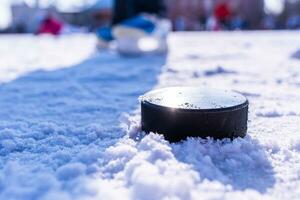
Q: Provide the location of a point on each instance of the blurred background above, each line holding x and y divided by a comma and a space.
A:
26, 16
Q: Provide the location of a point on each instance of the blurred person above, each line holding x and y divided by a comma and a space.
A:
202, 22
269, 22
238, 22
212, 24
50, 25
180, 24
135, 19
222, 14
293, 22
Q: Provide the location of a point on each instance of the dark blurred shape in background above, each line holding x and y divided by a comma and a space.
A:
126, 9
50, 25
185, 15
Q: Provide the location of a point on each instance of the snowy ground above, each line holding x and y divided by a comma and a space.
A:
66, 114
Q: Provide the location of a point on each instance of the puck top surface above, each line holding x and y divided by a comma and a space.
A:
194, 98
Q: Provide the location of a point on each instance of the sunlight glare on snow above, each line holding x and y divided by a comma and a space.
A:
41, 53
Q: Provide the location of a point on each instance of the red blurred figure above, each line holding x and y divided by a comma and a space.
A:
50, 25
222, 13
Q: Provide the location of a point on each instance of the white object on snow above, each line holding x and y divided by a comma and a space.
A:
134, 41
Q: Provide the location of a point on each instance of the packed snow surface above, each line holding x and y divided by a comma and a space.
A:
70, 122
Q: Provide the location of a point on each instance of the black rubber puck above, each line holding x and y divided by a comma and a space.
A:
181, 112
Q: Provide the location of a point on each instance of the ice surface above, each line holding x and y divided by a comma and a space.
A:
69, 119
194, 98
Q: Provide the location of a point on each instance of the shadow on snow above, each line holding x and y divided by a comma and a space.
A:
49, 111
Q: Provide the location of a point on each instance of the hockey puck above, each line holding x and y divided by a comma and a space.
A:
181, 112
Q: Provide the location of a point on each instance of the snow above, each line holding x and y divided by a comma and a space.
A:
69, 119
